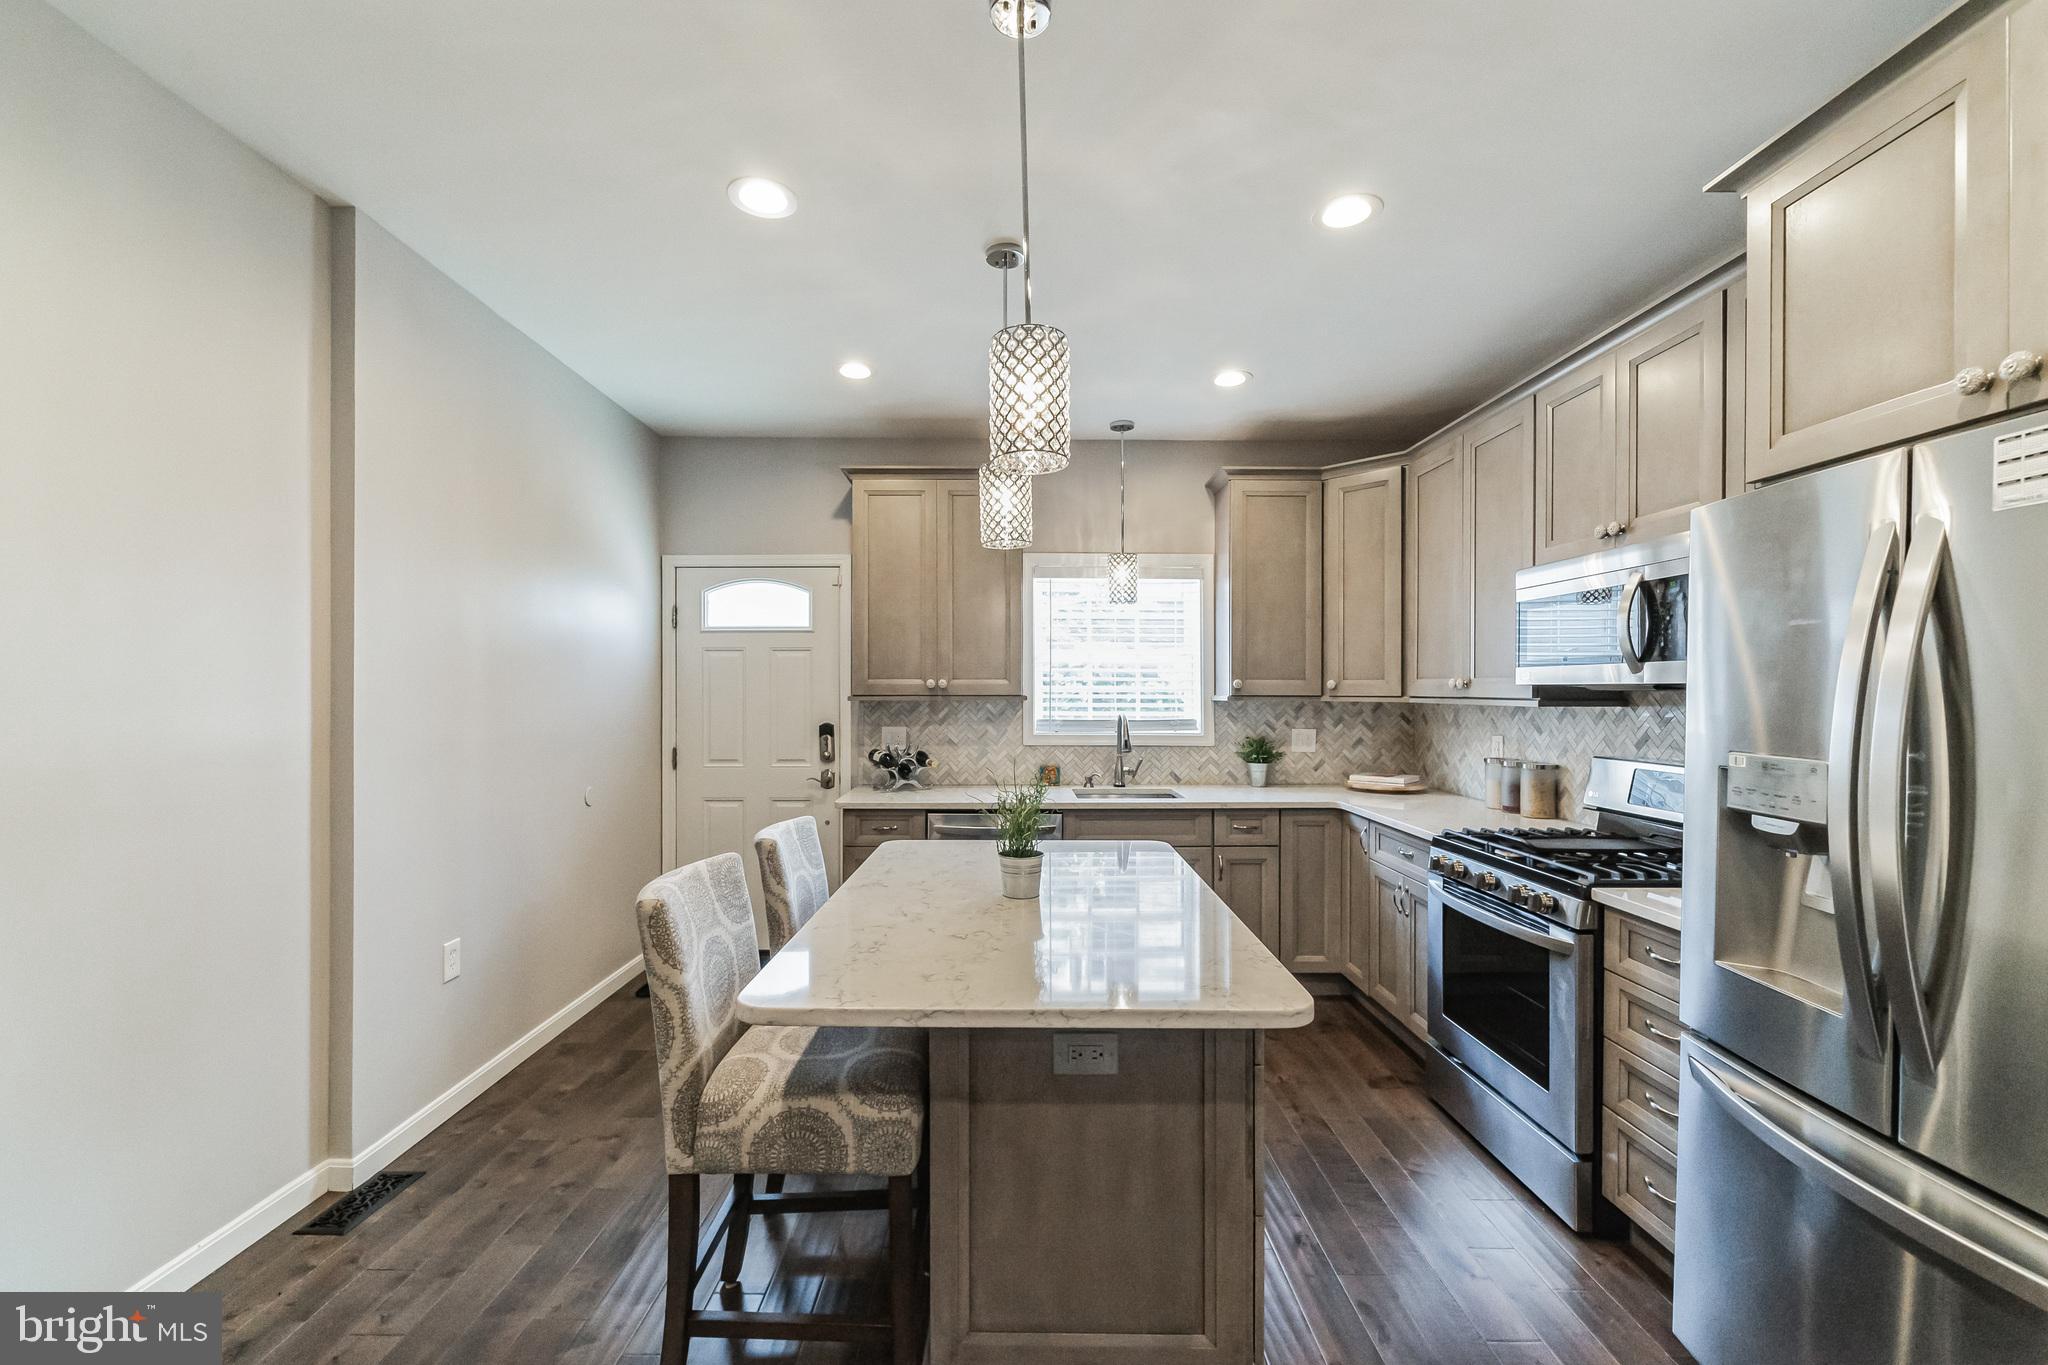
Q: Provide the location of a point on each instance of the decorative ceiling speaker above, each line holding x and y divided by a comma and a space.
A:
1123, 565
1029, 379
1005, 509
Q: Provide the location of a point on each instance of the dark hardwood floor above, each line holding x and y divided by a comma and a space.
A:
537, 1234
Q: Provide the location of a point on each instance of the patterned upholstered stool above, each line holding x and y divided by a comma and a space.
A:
793, 878
743, 1101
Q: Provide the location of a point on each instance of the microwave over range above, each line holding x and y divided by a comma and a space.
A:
1615, 619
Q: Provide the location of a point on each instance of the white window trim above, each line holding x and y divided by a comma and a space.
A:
1097, 566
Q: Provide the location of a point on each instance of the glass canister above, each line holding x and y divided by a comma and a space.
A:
1511, 785
1497, 769
1540, 783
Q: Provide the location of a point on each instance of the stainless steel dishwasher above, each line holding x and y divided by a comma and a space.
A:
982, 825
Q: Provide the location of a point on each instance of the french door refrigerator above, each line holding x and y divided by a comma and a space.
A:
1863, 1110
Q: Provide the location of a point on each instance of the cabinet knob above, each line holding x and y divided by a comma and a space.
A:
1329, 684
2019, 365
942, 682
1237, 682
931, 682
1600, 530
1973, 379
1615, 528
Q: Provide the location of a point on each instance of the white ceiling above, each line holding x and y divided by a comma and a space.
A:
567, 162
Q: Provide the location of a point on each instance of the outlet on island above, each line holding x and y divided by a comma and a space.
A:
1084, 1054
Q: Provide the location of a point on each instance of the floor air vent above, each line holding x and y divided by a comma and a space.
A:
345, 1213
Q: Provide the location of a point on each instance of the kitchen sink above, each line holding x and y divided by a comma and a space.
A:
1127, 793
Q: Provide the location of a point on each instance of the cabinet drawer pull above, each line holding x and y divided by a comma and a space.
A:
1651, 1186
1407, 853
1242, 828
1652, 955
1659, 1034
887, 829
1651, 1102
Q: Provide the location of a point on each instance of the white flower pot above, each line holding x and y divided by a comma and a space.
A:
1020, 875
1258, 772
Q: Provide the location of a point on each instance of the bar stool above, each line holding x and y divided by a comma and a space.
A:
794, 882
770, 1100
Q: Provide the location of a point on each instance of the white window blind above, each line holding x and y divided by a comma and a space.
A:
1093, 660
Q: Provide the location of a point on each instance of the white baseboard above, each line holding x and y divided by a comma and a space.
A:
348, 1172
217, 1248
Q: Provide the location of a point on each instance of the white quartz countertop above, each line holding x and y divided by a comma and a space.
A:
1663, 907
1424, 814
1124, 935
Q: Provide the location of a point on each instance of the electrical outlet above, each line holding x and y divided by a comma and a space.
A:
1302, 742
451, 960
1084, 1054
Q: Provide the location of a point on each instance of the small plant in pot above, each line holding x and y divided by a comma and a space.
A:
1018, 811
1257, 751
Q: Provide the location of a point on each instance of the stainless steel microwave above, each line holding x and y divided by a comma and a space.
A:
1615, 619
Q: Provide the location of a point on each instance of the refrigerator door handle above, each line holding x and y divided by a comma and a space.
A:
1930, 1211
1625, 626
1846, 842
1919, 581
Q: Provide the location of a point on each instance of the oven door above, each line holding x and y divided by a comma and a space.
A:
1512, 998
1613, 620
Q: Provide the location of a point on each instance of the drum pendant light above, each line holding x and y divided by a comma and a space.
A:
1123, 565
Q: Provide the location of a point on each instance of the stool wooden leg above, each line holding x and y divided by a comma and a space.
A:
736, 1233
682, 1268
905, 1322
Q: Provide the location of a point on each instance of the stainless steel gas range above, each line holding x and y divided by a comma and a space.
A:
1514, 973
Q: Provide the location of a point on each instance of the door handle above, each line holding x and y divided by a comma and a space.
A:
1624, 624
826, 780
1919, 582
1847, 843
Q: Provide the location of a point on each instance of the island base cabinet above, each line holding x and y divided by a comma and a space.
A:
1095, 1217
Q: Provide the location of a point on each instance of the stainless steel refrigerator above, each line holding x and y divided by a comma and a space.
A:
1863, 1109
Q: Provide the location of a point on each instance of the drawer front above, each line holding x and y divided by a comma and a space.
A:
879, 827
1641, 1093
852, 857
1638, 1176
1247, 827
1642, 952
1644, 1022
1397, 850
1181, 828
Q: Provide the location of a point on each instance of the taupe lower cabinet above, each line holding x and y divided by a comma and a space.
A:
1311, 890
934, 614
1386, 930
1630, 442
1248, 881
1269, 584
1899, 282
1469, 531
1362, 515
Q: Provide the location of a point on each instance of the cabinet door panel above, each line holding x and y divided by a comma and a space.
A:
1878, 256
1439, 588
1312, 890
1276, 588
1393, 965
1362, 584
1578, 462
980, 602
1359, 923
1503, 530
1248, 880
1416, 896
1670, 399
895, 567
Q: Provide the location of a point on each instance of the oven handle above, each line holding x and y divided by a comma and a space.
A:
1558, 941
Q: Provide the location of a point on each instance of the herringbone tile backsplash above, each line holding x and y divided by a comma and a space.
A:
977, 742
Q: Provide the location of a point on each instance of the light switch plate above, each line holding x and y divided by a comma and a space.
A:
1084, 1054
1303, 742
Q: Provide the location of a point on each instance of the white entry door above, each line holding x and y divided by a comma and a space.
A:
758, 668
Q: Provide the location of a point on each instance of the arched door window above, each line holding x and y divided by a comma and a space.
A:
756, 604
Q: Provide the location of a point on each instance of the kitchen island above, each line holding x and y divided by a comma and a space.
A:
1094, 1090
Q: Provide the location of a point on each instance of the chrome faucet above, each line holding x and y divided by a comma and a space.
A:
1123, 746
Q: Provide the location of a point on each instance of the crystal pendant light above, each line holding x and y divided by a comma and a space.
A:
1123, 565
1029, 431
1005, 509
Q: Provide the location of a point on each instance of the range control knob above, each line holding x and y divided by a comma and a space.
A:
1437, 862
1488, 882
1521, 895
1547, 903
1459, 870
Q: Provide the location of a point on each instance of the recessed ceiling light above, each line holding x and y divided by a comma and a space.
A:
1349, 210
854, 369
760, 197
1232, 379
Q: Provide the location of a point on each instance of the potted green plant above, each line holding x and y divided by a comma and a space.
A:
1257, 751
1018, 811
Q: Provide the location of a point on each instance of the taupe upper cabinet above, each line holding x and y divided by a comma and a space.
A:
1269, 585
1578, 464
1362, 584
934, 614
1671, 401
1439, 575
1499, 450
1895, 250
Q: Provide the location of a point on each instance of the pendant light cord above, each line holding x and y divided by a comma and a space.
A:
1120, 547
1024, 153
